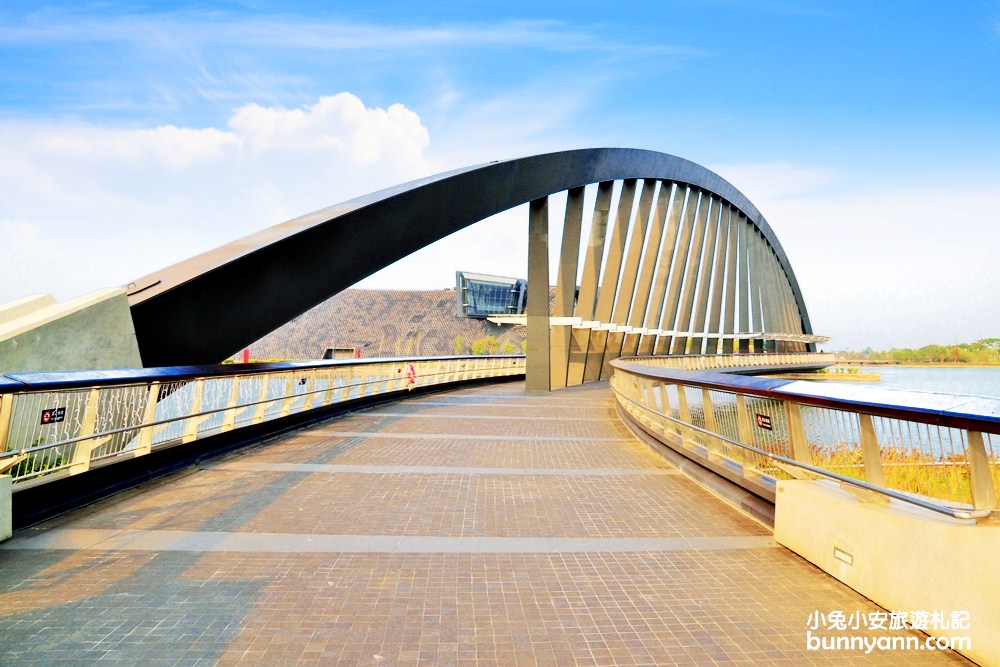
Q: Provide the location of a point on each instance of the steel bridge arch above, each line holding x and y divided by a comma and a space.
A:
208, 307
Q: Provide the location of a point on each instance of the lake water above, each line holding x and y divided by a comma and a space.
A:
973, 381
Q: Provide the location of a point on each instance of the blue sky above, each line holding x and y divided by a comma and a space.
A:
133, 135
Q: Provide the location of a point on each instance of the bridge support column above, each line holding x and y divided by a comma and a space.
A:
566, 287
537, 373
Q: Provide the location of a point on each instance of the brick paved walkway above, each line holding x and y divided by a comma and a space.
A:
484, 526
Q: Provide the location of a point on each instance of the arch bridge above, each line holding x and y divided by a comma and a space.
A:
523, 512
677, 261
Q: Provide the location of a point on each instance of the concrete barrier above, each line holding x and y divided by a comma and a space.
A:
6, 506
901, 557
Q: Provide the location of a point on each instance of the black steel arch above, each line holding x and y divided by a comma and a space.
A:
208, 307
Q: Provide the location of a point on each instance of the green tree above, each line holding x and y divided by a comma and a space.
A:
509, 348
459, 345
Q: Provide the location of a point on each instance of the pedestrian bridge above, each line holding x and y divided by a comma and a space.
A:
665, 506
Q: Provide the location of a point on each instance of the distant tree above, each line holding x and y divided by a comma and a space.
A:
479, 346
509, 348
990, 343
459, 345
524, 347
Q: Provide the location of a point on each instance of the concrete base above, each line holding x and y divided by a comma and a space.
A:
90, 332
6, 507
899, 556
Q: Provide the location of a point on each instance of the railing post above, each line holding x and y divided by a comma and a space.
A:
743, 428
6, 408
307, 399
229, 418
645, 392
261, 408
706, 399
797, 433
289, 397
88, 424
683, 413
744, 431
874, 474
145, 441
191, 425
664, 399
984, 496
711, 444
331, 386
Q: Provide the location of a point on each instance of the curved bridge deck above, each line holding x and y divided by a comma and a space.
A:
486, 526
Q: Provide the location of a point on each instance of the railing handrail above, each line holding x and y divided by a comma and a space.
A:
957, 513
146, 405
68, 380
977, 413
170, 420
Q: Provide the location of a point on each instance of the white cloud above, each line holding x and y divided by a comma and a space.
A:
340, 123
104, 205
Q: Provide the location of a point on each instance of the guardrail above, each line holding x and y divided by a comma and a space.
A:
940, 452
54, 425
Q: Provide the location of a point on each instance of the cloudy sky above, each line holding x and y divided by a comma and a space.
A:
134, 135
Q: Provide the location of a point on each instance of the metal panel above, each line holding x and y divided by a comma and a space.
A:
610, 277
729, 325
708, 270
630, 273
566, 286
688, 294
644, 285
744, 283
587, 300
657, 297
718, 282
680, 258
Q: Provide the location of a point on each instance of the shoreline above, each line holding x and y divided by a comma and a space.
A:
916, 364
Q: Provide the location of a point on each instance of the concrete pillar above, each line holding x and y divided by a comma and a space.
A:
538, 371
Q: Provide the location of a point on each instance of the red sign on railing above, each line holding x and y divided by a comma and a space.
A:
53, 415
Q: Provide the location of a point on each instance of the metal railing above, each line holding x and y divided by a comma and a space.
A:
940, 452
57, 424
744, 362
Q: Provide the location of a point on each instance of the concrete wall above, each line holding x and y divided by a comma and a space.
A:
902, 557
90, 332
6, 507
